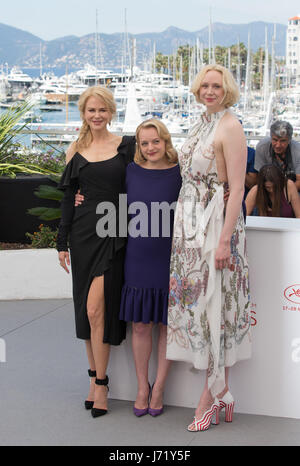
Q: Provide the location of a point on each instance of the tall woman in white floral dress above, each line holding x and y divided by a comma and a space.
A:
209, 316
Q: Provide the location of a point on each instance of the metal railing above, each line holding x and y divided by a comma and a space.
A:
75, 132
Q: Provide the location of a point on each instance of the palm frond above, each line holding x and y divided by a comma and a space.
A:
49, 192
10, 126
11, 169
45, 213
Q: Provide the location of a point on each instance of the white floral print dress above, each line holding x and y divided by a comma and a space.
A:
209, 310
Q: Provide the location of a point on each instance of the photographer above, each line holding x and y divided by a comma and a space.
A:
280, 150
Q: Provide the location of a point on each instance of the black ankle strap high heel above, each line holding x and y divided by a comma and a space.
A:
89, 404
100, 412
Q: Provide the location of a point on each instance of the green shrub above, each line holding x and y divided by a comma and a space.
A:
44, 238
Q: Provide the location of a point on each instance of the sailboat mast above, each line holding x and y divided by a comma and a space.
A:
67, 94
238, 68
96, 49
266, 73
247, 81
41, 61
212, 57
126, 43
209, 39
273, 65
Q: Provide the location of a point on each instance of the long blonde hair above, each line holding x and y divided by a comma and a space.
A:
85, 136
163, 134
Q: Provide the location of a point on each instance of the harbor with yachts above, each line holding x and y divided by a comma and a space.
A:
43, 75
159, 91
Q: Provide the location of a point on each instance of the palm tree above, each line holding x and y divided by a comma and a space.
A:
10, 128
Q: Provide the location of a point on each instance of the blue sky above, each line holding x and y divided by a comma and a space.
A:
57, 18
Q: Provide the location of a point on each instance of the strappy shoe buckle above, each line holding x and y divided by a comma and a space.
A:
96, 412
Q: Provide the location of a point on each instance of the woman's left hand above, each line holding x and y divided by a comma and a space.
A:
79, 198
222, 257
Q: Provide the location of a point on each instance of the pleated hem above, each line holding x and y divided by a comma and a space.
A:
144, 305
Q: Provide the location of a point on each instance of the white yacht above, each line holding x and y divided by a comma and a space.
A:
90, 75
17, 78
3, 87
72, 86
46, 78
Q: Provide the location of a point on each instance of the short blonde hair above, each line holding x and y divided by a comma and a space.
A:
85, 136
232, 93
163, 134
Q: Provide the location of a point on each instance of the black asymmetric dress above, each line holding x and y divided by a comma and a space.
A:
93, 255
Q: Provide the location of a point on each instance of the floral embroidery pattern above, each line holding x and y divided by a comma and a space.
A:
192, 272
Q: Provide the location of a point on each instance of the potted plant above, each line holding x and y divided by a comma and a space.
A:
21, 173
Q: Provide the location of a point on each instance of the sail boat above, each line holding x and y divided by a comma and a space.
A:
238, 66
273, 75
269, 85
266, 84
247, 88
211, 47
132, 116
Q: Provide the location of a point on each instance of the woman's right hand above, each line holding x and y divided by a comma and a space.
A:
222, 256
64, 260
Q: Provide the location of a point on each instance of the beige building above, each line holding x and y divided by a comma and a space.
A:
293, 51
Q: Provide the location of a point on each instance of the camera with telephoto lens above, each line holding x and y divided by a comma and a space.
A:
291, 175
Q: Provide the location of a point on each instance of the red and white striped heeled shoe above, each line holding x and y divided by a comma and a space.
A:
227, 402
211, 416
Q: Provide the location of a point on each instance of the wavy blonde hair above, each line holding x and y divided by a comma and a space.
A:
163, 134
232, 93
85, 136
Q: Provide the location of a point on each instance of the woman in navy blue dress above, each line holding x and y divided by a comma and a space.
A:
154, 180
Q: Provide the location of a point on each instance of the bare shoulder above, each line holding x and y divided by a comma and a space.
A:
230, 134
230, 129
118, 140
71, 151
230, 122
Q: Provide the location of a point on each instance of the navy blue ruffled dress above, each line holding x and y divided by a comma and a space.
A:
91, 255
147, 260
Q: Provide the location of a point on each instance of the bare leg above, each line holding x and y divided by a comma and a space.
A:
207, 399
220, 395
204, 405
100, 350
142, 347
162, 369
92, 365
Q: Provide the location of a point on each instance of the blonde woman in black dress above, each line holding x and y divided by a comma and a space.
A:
96, 164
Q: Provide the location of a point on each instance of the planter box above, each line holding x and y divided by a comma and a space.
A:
16, 197
33, 274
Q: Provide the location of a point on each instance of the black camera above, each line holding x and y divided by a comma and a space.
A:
291, 175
